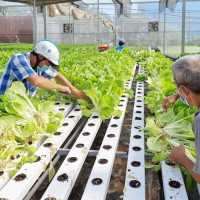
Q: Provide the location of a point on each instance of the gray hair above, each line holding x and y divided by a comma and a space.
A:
186, 71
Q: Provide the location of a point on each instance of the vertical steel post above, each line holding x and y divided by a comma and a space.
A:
115, 34
158, 38
45, 22
183, 27
35, 38
164, 28
73, 31
70, 35
98, 24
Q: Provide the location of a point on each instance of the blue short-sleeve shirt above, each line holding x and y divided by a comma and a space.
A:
18, 68
120, 48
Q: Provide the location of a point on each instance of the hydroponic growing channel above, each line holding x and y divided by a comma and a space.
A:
111, 157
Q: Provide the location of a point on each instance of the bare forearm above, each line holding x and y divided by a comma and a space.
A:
189, 165
61, 79
43, 83
47, 84
78, 94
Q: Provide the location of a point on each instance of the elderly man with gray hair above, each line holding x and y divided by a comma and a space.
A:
186, 72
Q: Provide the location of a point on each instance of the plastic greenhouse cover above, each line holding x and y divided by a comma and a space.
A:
41, 2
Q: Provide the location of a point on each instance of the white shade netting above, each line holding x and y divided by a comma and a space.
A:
66, 9
170, 4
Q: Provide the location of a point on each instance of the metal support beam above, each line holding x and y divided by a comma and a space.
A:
164, 29
93, 153
70, 34
35, 39
73, 30
139, 2
183, 27
158, 37
115, 33
98, 38
45, 22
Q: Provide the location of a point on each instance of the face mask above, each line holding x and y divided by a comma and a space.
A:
184, 100
43, 68
181, 99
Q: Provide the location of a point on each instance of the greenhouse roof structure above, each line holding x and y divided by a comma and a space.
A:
42, 2
49, 2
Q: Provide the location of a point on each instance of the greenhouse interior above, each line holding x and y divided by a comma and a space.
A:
99, 83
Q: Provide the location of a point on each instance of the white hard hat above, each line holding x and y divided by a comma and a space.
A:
49, 50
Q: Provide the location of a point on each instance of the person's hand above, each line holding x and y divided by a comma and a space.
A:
78, 94
65, 91
177, 154
169, 100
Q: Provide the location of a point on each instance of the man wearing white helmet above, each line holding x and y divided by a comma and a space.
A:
35, 69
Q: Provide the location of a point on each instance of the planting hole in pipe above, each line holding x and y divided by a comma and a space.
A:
137, 127
174, 184
97, 181
80, 145
47, 144
65, 124
85, 133
136, 149
138, 112
135, 164
103, 161
107, 147
137, 136
114, 125
57, 133
20, 177
72, 159
38, 159
111, 135
62, 177
91, 124
134, 184
95, 117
